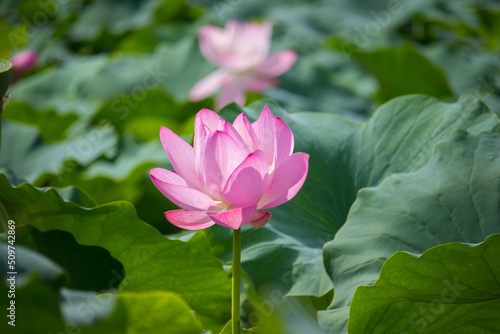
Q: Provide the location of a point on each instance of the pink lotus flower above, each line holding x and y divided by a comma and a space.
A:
22, 63
242, 53
231, 173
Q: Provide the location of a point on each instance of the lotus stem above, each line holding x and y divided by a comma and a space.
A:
236, 281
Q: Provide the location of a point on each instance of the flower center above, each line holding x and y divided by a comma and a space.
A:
221, 205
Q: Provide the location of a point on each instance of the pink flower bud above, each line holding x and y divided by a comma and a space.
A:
22, 63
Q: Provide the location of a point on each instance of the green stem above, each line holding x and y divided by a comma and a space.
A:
236, 281
1, 110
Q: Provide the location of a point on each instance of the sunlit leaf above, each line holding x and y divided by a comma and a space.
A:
454, 198
151, 261
451, 287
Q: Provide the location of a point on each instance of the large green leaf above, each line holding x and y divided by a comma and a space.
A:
118, 17
51, 125
48, 311
28, 157
124, 178
85, 85
141, 115
449, 288
49, 308
106, 274
37, 310
120, 179
185, 66
27, 262
159, 312
467, 70
65, 88
82, 85
404, 71
344, 157
151, 261
37, 292
454, 198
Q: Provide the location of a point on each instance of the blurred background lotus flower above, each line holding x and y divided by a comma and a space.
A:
232, 172
22, 63
241, 51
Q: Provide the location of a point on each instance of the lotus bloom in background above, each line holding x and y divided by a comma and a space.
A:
22, 63
241, 51
232, 173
